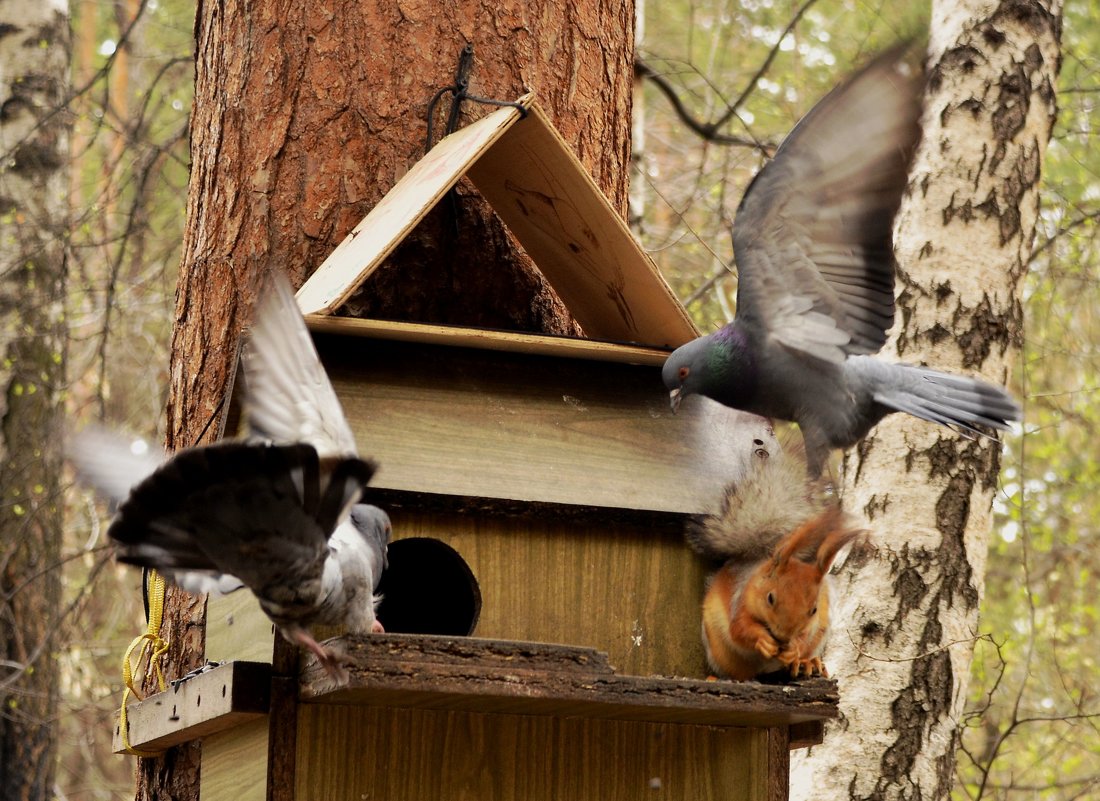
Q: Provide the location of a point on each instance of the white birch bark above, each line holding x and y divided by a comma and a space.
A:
903, 636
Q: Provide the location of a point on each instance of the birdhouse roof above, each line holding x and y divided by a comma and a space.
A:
527, 173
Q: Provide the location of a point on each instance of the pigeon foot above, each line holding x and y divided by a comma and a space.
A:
332, 658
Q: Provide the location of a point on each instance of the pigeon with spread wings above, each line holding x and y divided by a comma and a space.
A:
278, 513
813, 242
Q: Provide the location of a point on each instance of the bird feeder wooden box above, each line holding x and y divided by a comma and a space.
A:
555, 469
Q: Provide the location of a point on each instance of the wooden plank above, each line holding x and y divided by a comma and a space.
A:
237, 629
196, 706
803, 735
628, 589
466, 675
349, 752
779, 764
583, 247
508, 341
234, 764
403, 207
282, 740
458, 421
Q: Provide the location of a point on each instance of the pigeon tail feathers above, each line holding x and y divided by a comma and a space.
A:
951, 400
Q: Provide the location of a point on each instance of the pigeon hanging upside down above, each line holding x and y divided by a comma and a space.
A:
278, 513
813, 242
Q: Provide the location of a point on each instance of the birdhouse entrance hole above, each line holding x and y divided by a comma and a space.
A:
428, 588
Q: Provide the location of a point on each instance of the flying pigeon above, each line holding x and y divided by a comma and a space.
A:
277, 512
813, 242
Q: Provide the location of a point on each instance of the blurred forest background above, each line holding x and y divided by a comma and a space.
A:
1033, 726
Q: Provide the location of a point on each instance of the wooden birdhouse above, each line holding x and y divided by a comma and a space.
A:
542, 606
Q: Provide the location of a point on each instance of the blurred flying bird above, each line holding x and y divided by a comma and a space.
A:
813, 242
278, 513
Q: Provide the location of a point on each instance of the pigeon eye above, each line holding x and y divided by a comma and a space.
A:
684, 372
771, 599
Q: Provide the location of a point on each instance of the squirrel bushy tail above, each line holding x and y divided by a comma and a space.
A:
772, 500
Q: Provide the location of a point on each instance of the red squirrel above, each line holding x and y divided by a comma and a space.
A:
767, 608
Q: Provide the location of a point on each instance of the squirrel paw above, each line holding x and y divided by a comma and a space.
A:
766, 646
804, 668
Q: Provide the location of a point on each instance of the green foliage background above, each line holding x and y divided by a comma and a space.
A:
128, 191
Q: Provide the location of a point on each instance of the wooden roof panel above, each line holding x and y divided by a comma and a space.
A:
403, 207
531, 178
583, 247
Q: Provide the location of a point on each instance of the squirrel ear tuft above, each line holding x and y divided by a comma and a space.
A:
817, 541
834, 542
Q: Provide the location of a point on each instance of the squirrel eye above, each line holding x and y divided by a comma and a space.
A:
771, 599
684, 372
813, 611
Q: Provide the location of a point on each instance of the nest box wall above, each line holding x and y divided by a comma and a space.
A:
562, 481
558, 472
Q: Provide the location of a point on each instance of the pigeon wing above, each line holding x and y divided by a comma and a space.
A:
288, 395
260, 513
108, 462
813, 238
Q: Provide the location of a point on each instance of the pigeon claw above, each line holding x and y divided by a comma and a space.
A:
331, 658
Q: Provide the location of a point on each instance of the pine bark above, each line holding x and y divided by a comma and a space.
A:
904, 635
305, 115
34, 62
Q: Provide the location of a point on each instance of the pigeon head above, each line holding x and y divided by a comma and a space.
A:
372, 523
719, 366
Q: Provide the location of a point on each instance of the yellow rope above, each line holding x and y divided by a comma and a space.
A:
151, 643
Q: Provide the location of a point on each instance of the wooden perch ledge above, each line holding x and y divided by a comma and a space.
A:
529, 678
200, 704
477, 675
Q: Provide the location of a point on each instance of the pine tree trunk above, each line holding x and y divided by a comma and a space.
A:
904, 636
305, 116
34, 63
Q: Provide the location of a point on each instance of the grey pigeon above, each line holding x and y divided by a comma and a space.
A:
813, 242
277, 513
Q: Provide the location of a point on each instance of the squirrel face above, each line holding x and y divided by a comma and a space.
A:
785, 593
787, 601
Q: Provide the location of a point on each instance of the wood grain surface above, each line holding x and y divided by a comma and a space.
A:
469, 674
630, 591
586, 251
489, 339
198, 706
356, 752
467, 422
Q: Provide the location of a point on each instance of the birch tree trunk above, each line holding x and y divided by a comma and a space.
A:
903, 637
305, 116
34, 63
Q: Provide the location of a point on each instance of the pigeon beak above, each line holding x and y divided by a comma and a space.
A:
674, 399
